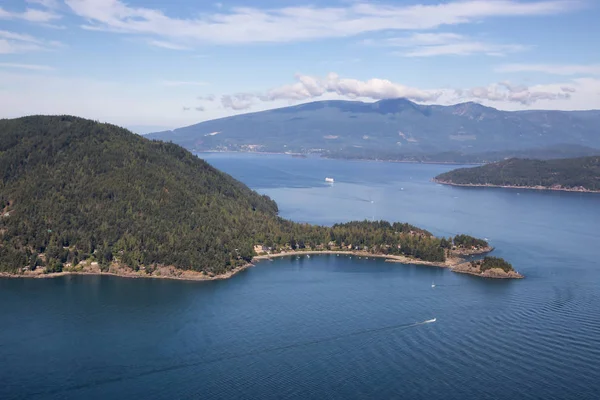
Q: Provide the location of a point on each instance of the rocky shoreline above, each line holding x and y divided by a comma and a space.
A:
455, 263
552, 188
163, 272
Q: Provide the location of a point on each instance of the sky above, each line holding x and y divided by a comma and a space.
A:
156, 64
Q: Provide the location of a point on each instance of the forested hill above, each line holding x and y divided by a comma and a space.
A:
563, 174
75, 192
71, 188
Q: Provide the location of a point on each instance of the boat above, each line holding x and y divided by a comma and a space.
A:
329, 180
432, 284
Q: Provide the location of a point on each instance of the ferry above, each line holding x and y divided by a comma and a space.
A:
329, 180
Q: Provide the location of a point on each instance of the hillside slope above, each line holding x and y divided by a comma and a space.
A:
72, 187
390, 129
582, 174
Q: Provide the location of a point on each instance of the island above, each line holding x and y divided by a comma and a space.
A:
82, 197
569, 174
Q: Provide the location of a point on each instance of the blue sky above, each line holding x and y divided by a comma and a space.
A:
160, 63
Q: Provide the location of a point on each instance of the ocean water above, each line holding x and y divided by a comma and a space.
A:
334, 327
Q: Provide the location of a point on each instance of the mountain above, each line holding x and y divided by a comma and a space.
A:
81, 196
575, 174
391, 129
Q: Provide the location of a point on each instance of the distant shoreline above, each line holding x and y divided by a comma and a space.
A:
554, 189
196, 152
455, 264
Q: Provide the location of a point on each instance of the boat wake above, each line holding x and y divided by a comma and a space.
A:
192, 363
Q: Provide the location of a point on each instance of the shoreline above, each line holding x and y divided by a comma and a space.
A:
572, 190
455, 263
317, 155
179, 275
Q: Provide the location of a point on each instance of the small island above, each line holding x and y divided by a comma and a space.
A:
80, 197
570, 174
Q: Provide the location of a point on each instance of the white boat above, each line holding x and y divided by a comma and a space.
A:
329, 180
432, 284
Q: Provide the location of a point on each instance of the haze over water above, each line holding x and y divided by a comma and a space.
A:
328, 326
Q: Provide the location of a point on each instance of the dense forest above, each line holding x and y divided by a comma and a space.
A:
489, 262
570, 173
74, 190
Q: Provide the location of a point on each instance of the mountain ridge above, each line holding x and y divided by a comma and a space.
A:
398, 127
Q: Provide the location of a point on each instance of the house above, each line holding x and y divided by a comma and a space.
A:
259, 248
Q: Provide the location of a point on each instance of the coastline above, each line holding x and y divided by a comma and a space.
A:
554, 189
172, 274
455, 263
318, 155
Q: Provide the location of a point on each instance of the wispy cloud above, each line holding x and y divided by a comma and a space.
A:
167, 45
30, 67
507, 92
183, 83
553, 69
208, 97
30, 14
247, 25
437, 44
52, 4
12, 42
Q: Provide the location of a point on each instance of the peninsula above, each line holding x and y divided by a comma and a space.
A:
569, 174
80, 197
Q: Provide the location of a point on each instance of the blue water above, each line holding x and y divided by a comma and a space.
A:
332, 327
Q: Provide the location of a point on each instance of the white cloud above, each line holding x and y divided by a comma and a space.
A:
240, 101
436, 44
11, 42
553, 69
167, 45
506, 92
246, 24
183, 83
208, 97
309, 87
30, 14
30, 67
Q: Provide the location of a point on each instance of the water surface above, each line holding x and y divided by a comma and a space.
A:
329, 326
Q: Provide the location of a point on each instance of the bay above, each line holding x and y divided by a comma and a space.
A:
329, 326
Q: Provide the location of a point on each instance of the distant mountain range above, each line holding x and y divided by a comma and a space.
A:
398, 129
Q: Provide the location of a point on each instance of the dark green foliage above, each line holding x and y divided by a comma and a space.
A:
566, 173
492, 262
71, 185
466, 241
74, 190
